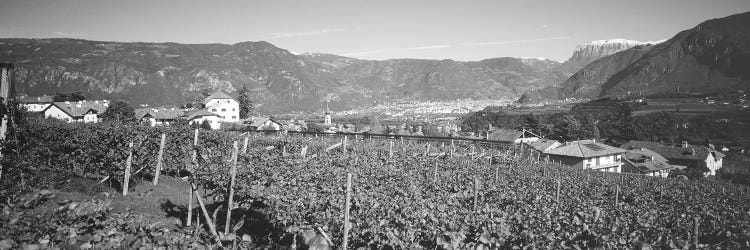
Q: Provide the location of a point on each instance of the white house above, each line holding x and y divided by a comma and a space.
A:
159, 116
512, 135
691, 156
223, 105
588, 154
81, 111
199, 116
35, 103
263, 123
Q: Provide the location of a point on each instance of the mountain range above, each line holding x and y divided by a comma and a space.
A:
173, 74
713, 57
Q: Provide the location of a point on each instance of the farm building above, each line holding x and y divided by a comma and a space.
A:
159, 116
588, 154
262, 123
541, 145
691, 156
81, 111
646, 162
199, 116
35, 103
512, 135
224, 106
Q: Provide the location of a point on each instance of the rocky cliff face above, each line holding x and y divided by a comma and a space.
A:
713, 57
591, 51
173, 74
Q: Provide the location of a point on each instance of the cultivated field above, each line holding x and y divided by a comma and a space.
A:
292, 191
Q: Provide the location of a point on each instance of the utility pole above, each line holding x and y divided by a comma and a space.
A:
7, 93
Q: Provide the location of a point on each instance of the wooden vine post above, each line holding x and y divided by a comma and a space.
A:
346, 210
244, 146
192, 190
558, 192
696, 223
127, 169
476, 192
159, 158
617, 196
233, 175
390, 150
211, 225
434, 177
345, 140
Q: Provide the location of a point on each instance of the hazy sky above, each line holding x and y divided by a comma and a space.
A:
460, 30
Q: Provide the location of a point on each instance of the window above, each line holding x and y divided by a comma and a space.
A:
234, 117
232, 109
223, 110
213, 110
227, 101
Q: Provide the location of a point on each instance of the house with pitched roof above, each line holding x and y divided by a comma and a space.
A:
224, 106
159, 116
81, 111
512, 135
35, 103
263, 123
199, 116
541, 145
588, 154
646, 162
691, 156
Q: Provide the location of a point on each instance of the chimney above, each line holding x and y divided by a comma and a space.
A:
652, 157
67, 102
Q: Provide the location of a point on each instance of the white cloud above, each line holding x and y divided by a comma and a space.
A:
378, 51
368, 52
307, 33
543, 26
443, 46
515, 41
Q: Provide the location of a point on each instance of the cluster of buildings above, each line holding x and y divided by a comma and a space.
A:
638, 157
219, 108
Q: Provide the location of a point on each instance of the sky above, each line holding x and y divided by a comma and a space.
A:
368, 29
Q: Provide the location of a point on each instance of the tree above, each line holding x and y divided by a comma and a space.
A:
119, 111
246, 103
198, 97
618, 125
206, 125
532, 122
72, 97
568, 127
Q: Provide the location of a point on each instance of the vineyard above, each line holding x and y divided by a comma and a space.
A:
292, 192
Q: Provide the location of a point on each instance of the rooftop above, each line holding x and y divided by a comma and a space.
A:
198, 113
36, 99
159, 113
217, 95
646, 160
78, 109
541, 144
585, 150
689, 152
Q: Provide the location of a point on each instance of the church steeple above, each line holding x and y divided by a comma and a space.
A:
328, 115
